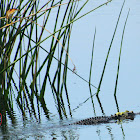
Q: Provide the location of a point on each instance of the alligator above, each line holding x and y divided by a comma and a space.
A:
107, 119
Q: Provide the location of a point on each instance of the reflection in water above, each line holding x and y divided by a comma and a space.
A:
51, 130
100, 104
39, 131
123, 132
109, 132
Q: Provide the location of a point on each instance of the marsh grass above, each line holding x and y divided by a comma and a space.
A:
104, 67
120, 55
110, 46
24, 77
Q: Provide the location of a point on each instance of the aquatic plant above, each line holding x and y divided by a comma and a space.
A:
34, 54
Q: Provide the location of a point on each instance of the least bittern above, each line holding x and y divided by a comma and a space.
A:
10, 13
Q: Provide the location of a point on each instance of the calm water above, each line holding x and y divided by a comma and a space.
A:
128, 93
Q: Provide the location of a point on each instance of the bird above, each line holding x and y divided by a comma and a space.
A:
10, 13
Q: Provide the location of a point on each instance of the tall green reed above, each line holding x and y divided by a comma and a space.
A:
120, 55
105, 64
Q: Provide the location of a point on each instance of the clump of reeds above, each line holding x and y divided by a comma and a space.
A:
24, 71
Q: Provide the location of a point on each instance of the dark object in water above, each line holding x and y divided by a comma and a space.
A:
107, 119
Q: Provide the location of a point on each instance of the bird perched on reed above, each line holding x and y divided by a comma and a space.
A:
10, 13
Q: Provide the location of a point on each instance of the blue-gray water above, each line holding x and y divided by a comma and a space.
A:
128, 92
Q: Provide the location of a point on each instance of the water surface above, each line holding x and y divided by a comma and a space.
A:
104, 19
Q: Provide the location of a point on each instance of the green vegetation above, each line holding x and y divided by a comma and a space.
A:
27, 58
